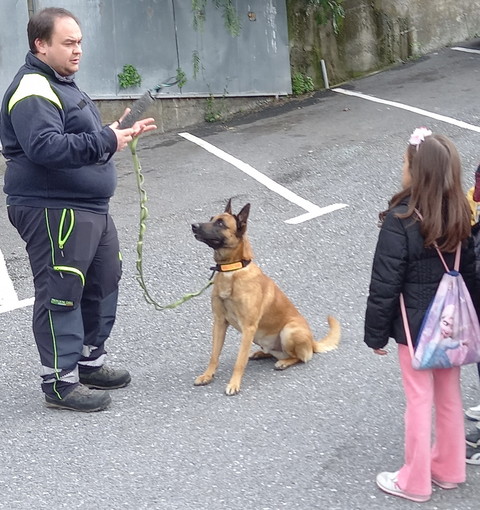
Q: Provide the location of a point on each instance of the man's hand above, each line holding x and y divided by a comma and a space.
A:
143, 126
125, 136
381, 352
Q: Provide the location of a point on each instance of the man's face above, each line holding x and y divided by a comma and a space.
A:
64, 50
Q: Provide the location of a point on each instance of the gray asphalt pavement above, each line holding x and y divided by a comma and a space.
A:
313, 436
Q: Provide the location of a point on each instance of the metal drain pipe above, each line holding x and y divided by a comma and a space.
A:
324, 74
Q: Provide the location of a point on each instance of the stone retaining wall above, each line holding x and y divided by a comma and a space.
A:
375, 34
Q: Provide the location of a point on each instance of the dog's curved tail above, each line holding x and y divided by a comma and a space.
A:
332, 339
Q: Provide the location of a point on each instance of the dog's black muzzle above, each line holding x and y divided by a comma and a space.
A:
207, 235
197, 231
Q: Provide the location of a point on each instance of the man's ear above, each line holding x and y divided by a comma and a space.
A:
40, 45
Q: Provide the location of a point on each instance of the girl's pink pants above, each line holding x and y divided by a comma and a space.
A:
445, 459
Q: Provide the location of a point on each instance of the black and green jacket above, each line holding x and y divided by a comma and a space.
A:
57, 151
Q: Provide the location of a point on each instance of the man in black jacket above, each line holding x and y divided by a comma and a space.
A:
58, 181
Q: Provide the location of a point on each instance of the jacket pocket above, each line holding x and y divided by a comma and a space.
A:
64, 288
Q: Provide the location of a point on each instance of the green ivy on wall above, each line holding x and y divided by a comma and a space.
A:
229, 14
328, 10
301, 84
129, 77
181, 77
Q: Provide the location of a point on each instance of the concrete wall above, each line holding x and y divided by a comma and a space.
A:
180, 113
375, 34
435, 23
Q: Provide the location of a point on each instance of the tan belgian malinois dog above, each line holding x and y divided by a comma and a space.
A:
248, 300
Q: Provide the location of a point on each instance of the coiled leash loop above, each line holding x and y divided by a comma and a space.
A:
141, 232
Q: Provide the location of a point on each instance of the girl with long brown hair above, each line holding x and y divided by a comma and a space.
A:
431, 209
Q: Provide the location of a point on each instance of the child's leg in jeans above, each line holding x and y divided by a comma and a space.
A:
448, 453
415, 475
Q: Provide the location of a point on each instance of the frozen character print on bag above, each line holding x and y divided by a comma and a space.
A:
449, 350
436, 353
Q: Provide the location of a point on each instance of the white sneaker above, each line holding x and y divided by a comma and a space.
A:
473, 413
387, 482
473, 456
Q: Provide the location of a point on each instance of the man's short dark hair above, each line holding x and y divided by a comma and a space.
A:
40, 25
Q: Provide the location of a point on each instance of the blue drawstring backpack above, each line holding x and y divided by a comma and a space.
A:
450, 332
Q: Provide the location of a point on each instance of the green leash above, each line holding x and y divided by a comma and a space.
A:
143, 218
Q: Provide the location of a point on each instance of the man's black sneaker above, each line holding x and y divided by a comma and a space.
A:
105, 378
81, 399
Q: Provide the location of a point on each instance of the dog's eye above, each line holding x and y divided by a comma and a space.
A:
219, 223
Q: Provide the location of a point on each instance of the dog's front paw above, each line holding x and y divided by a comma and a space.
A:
232, 389
203, 379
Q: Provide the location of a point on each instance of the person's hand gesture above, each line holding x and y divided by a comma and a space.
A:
125, 136
143, 126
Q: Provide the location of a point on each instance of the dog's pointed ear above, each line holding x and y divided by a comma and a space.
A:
228, 209
242, 218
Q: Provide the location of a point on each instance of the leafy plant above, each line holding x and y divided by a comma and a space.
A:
301, 84
229, 14
232, 25
216, 109
329, 10
196, 64
129, 77
181, 77
198, 9
212, 112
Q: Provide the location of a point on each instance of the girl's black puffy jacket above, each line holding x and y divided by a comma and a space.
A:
403, 265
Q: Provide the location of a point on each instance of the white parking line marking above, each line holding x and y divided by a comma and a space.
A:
18, 304
8, 296
7, 291
466, 50
313, 210
319, 211
412, 109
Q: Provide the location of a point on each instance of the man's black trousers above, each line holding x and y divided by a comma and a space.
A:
76, 265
